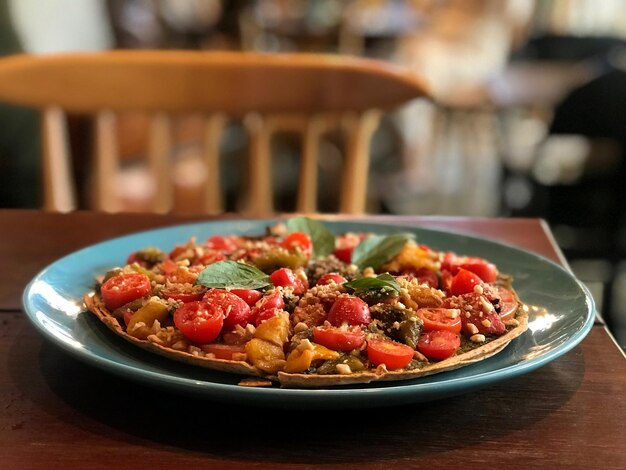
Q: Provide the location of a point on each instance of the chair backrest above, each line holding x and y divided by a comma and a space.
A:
306, 93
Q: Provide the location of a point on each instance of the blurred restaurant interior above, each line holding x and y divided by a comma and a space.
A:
528, 116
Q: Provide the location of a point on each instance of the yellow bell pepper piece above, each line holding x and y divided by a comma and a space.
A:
275, 329
300, 359
264, 355
151, 311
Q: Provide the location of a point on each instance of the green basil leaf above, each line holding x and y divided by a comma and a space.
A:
376, 250
231, 274
382, 281
322, 238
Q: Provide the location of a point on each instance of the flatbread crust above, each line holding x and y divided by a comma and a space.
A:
95, 306
475, 355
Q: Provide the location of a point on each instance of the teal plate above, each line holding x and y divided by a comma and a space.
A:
561, 313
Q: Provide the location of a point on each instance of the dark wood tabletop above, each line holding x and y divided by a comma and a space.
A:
57, 412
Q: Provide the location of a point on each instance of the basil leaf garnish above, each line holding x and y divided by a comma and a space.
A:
378, 249
231, 274
383, 281
322, 238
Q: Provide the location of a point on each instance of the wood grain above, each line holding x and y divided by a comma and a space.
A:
57, 412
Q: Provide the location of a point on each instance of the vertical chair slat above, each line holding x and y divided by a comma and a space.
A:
213, 200
159, 150
354, 190
307, 184
106, 163
260, 187
58, 183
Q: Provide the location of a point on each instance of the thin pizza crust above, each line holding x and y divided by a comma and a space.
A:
95, 305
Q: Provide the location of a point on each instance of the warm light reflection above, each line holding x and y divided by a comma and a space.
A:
542, 319
57, 330
56, 300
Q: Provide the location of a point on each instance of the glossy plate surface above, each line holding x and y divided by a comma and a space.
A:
561, 313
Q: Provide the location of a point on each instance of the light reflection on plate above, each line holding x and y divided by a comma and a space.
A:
561, 313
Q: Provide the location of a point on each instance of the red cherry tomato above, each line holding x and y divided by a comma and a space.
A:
184, 294
224, 351
438, 344
339, 339
393, 355
178, 251
210, 257
350, 310
475, 312
331, 277
201, 322
249, 296
508, 304
268, 302
482, 268
124, 288
441, 319
345, 245
285, 277
236, 310
463, 282
266, 315
220, 243
300, 241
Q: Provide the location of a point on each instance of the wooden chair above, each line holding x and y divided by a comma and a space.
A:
306, 93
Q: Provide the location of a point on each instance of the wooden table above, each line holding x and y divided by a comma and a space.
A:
56, 412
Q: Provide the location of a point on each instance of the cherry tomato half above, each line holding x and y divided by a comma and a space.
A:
438, 344
508, 303
209, 257
345, 245
440, 319
300, 241
184, 294
475, 311
463, 282
236, 310
483, 269
350, 310
249, 296
220, 243
339, 339
329, 278
201, 322
393, 355
266, 314
124, 288
273, 301
285, 277
224, 351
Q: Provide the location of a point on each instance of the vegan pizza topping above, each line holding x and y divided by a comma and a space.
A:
307, 308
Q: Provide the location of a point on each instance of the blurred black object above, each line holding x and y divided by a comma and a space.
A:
19, 137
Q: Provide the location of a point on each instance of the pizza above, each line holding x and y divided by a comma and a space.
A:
300, 306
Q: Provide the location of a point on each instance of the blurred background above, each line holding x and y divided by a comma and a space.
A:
529, 116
